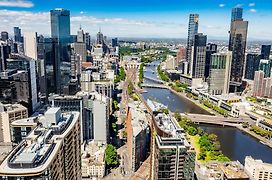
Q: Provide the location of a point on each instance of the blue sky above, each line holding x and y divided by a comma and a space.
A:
139, 18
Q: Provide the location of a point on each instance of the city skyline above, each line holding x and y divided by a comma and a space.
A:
121, 18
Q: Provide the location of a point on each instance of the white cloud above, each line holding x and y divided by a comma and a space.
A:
253, 10
251, 4
239, 5
81, 12
16, 3
222, 5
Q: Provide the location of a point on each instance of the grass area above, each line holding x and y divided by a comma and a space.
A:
207, 146
141, 74
124, 51
162, 75
120, 76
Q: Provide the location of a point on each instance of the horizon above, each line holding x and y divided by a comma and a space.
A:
118, 19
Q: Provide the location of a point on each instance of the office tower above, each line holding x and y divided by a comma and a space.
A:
75, 65
80, 35
4, 36
192, 31
218, 81
23, 63
237, 14
84, 103
60, 33
31, 45
88, 41
237, 44
8, 114
5, 51
252, 65
79, 48
60, 25
114, 42
101, 120
265, 66
265, 52
17, 34
51, 151
198, 56
257, 169
172, 156
138, 135
99, 39
211, 49
258, 89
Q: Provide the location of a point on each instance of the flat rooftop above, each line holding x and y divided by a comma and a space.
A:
40, 146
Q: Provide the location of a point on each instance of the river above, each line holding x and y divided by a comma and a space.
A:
234, 143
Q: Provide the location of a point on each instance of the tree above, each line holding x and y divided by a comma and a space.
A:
212, 137
111, 155
192, 131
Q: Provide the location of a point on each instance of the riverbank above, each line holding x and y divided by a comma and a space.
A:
262, 140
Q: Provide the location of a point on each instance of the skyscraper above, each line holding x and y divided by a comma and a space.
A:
198, 56
31, 45
60, 32
237, 44
17, 34
99, 38
218, 81
114, 42
88, 41
265, 66
192, 30
237, 14
50, 151
80, 36
265, 52
60, 25
4, 36
252, 65
211, 49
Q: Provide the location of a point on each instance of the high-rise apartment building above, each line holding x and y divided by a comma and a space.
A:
31, 45
258, 88
51, 151
211, 49
257, 169
198, 56
237, 44
252, 65
80, 36
172, 155
8, 114
218, 81
265, 51
94, 111
138, 135
192, 31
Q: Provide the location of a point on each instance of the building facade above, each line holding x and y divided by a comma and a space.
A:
198, 56
252, 65
192, 31
218, 81
257, 169
51, 151
237, 44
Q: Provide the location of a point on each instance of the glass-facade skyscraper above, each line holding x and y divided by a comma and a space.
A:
237, 44
237, 14
265, 52
60, 33
192, 31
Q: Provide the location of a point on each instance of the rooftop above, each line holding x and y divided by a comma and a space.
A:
93, 154
41, 145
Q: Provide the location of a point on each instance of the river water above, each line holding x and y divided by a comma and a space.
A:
234, 143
